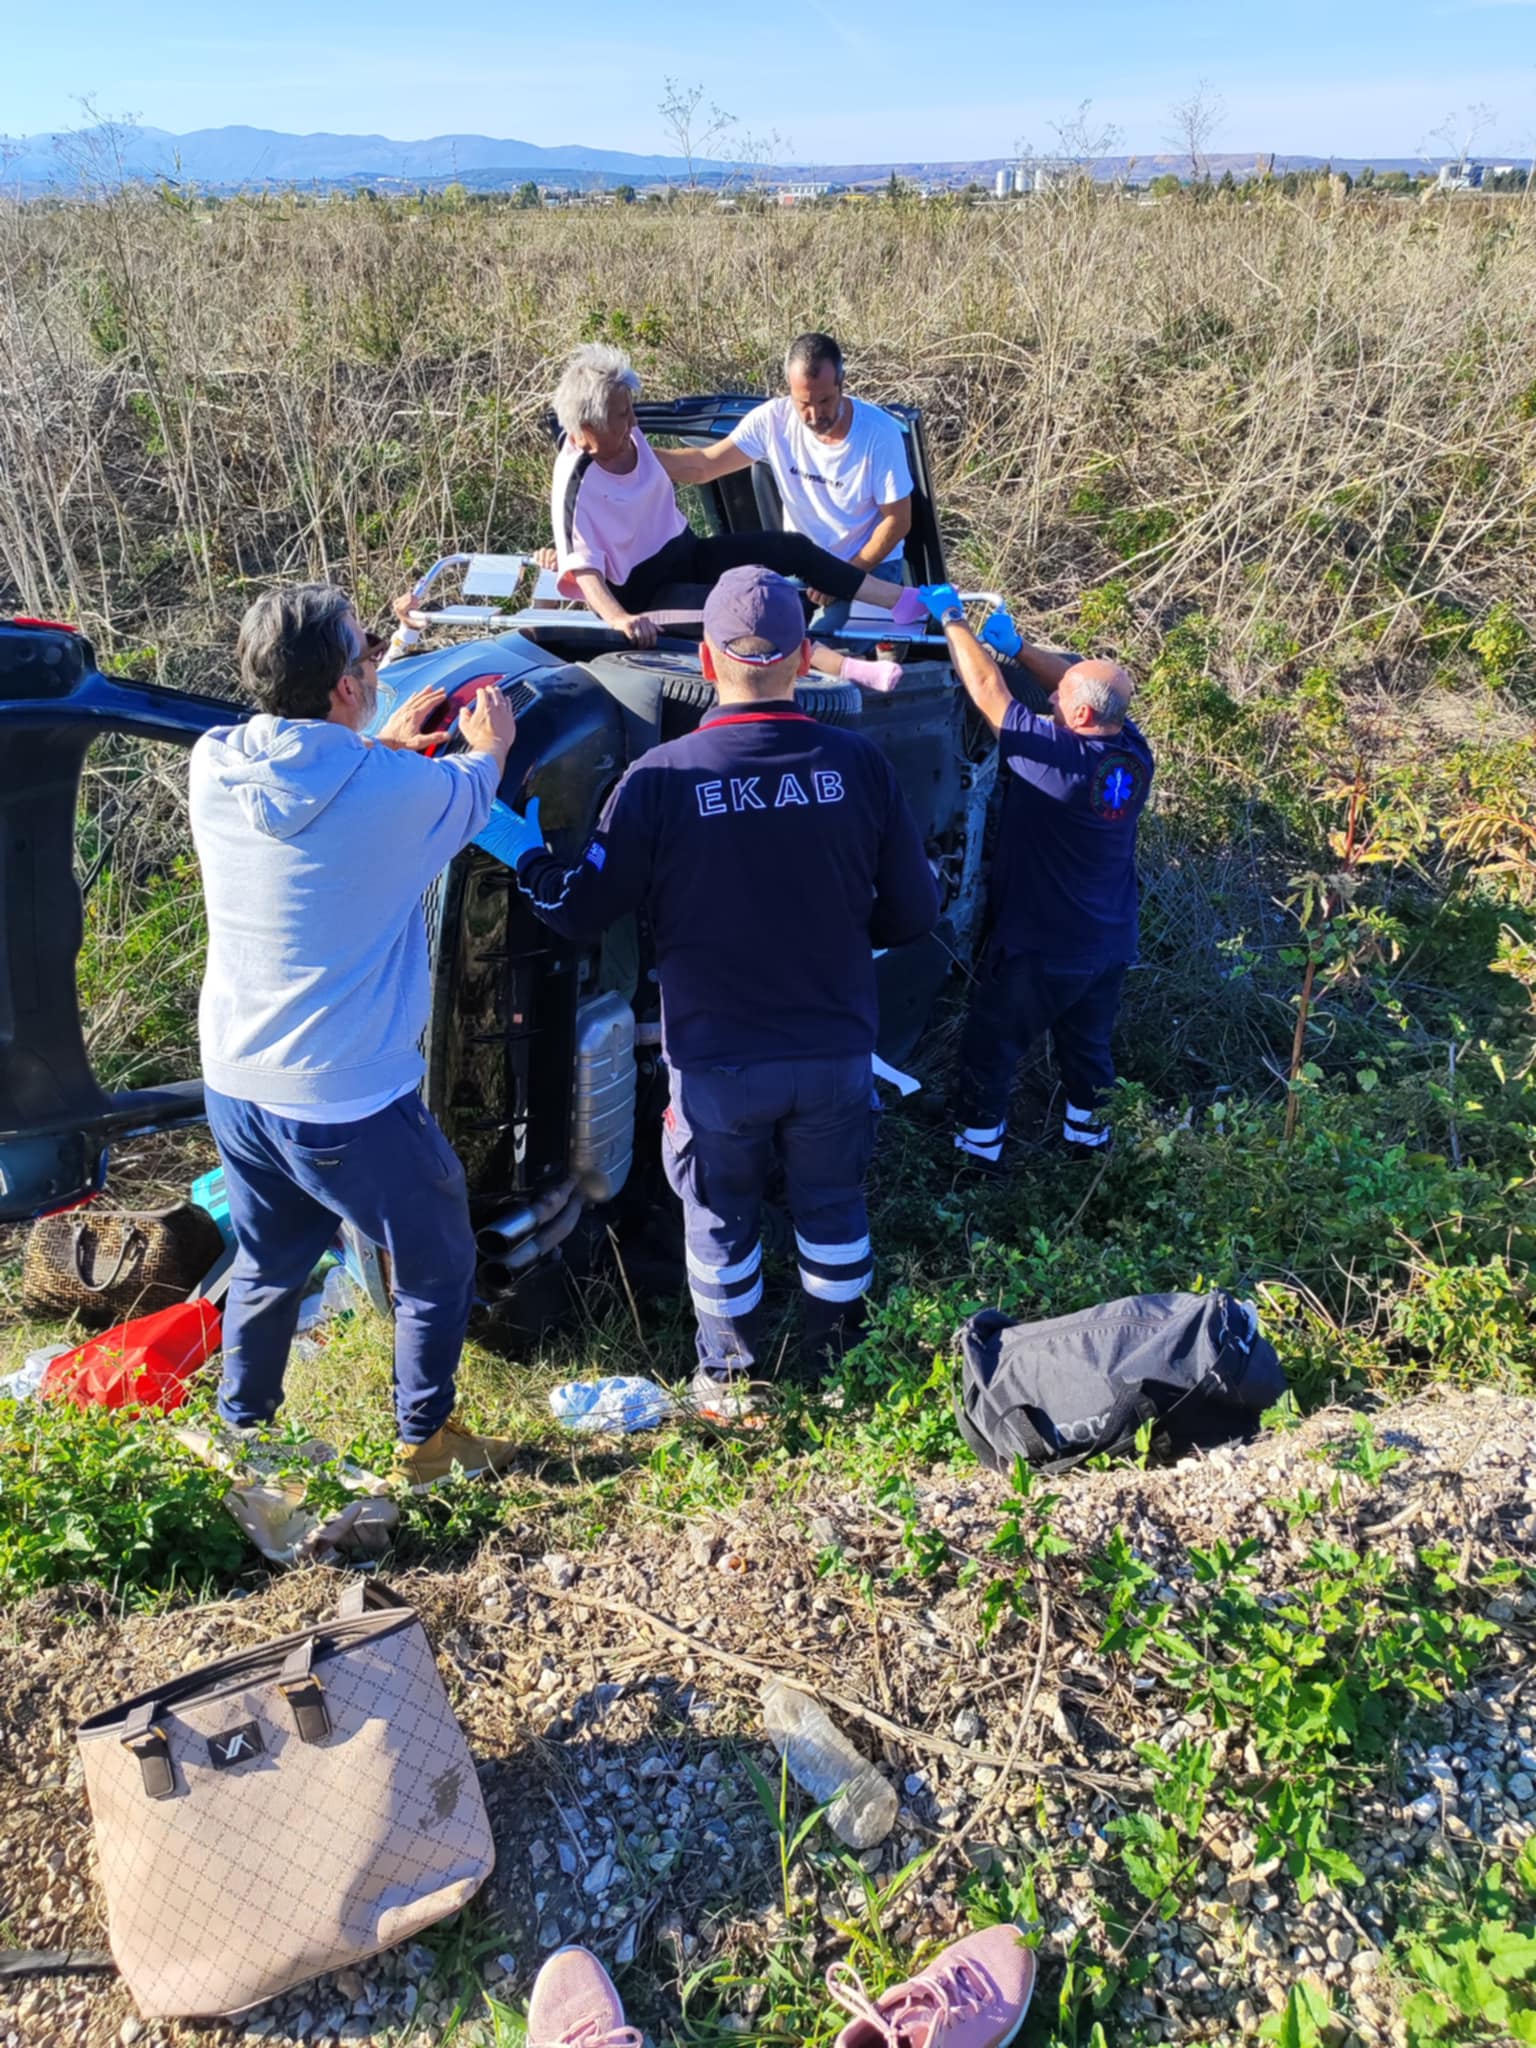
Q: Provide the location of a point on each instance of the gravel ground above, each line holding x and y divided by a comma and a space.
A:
613, 1748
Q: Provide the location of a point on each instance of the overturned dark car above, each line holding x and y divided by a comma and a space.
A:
543, 1059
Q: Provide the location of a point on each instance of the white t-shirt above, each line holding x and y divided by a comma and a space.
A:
610, 523
832, 490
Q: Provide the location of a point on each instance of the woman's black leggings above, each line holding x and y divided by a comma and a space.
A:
704, 558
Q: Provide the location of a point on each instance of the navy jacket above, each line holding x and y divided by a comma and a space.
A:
1064, 869
770, 854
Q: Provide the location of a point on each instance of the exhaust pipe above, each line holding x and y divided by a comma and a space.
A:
497, 1238
498, 1274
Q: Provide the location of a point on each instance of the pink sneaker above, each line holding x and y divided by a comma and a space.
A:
574, 2005
974, 1994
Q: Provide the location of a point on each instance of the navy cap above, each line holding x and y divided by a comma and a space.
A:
754, 604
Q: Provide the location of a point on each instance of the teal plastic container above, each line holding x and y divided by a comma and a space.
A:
208, 1193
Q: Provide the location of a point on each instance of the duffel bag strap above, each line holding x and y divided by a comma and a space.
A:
151, 1749
54, 1962
1035, 1450
1120, 1426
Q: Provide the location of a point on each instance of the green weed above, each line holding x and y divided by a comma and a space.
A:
1472, 1959
106, 1495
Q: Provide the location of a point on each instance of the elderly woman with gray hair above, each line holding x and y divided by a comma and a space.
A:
620, 535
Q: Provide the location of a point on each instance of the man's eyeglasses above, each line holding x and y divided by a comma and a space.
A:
374, 645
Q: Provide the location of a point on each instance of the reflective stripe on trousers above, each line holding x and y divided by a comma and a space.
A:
723, 1131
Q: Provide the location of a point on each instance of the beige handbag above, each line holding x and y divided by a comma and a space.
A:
283, 1812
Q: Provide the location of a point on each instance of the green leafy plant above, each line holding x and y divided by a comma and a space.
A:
1025, 1536
1161, 1849
1367, 1459
92, 1493
1306, 2020
1473, 1961
1316, 1680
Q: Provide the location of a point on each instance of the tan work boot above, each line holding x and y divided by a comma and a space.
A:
422, 1465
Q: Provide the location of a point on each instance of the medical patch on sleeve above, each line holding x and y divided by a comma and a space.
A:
1117, 786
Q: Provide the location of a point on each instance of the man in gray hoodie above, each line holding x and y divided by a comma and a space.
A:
316, 846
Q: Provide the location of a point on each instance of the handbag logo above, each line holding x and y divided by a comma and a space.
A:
235, 1746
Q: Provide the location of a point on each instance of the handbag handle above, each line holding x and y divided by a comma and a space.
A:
297, 1682
362, 1594
134, 1239
147, 1742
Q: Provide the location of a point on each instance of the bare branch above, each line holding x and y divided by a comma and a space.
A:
1195, 123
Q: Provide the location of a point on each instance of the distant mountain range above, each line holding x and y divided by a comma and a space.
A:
261, 156
229, 159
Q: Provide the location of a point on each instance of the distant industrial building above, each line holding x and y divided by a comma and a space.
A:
1036, 174
1462, 176
799, 195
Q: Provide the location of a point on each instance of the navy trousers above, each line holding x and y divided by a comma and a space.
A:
1019, 998
290, 1186
720, 1136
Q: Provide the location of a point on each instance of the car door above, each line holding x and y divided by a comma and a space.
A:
56, 1121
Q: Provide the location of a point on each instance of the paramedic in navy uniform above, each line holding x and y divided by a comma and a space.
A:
771, 855
1063, 881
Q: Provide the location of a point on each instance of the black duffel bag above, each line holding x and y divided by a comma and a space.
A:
1058, 1391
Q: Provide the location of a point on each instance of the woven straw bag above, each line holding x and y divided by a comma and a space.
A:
106, 1265
286, 1811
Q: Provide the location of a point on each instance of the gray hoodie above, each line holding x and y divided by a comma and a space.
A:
316, 849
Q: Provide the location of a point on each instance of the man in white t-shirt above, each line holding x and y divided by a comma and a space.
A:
840, 465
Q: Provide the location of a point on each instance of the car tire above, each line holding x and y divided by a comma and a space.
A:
681, 683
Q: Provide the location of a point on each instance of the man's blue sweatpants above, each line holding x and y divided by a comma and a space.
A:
721, 1133
395, 1177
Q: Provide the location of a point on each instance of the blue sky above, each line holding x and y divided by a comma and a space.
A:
900, 78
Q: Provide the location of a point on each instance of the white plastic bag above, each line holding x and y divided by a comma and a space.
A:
622, 1403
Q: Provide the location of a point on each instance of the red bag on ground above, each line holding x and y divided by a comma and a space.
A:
143, 1364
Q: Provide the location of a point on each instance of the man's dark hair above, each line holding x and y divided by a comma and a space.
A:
813, 353
295, 646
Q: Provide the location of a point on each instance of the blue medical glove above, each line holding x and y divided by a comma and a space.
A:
509, 835
943, 602
1000, 634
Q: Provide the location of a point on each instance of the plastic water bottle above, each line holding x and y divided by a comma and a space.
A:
825, 1764
623, 1402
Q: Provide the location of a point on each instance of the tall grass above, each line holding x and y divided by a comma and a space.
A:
1281, 455
1287, 411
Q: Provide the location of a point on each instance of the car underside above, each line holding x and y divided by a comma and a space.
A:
543, 1058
